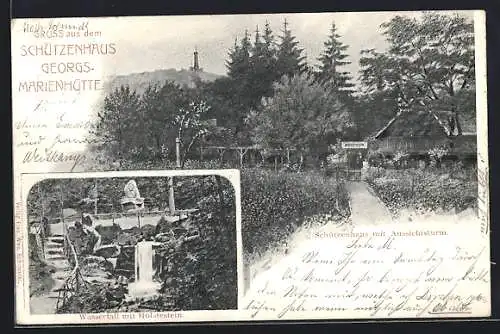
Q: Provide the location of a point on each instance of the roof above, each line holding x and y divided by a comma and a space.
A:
425, 123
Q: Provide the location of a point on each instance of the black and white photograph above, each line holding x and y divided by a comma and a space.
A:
330, 121
360, 139
100, 245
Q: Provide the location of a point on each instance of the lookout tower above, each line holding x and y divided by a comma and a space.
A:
196, 63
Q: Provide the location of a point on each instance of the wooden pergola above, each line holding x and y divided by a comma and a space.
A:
243, 150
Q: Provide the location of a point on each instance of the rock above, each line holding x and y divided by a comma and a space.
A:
107, 251
90, 260
108, 233
148, 231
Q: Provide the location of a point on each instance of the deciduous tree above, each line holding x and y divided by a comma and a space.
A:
429, 64
302, 115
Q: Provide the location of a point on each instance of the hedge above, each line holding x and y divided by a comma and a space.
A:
275, 204
431, 189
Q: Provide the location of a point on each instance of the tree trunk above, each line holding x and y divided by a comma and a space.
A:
456, 121
219, 190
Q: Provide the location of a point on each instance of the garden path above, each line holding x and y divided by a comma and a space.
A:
366, 207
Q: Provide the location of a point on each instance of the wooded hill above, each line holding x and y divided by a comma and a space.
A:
139, 82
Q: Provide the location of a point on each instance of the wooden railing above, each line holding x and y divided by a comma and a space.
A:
69, 249
75, 279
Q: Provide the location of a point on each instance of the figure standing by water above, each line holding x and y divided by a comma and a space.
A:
89, 230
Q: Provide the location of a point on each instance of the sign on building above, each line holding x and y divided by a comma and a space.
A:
354, 144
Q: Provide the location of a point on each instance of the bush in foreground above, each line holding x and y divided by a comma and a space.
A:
275, 204
425, 190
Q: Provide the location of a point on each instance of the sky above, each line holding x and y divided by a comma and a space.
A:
162, 42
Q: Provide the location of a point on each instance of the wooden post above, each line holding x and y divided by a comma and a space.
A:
61, 199
275, 163
41, 235
221, 155
201, 153
95, 200
171, 200
288, 156
139, 219
178, 152
242, 153
40, 195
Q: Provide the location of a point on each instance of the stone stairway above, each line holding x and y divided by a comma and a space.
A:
54, 255
54, 248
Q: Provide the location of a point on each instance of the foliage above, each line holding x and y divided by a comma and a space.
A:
198, 257
263, 66
400, 157
437, 153
238, 64
190, 127
301, 115
115, 129
95, 298
429, 65
289, 55
372, 111
135, 127
189, 191
201, 273
275, 204
332, 59
40, 278
431, 189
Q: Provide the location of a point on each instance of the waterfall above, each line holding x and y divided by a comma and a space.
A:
143, 285
144, 262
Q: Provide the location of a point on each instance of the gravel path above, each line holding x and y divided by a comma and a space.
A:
366, 207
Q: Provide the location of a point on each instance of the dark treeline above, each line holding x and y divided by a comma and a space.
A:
274, 98
48, 197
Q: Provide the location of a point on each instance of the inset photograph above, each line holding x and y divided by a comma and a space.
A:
99, 245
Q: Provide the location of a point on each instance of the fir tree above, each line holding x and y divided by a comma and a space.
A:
262, 76
239, 58
289, 57
332, 60
233, 54
269, 47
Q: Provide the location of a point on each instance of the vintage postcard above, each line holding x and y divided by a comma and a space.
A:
251, 167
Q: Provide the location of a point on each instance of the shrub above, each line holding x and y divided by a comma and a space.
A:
275, 204
40, 279
436, 154
431, 189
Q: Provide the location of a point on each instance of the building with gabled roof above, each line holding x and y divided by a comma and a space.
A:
415, 133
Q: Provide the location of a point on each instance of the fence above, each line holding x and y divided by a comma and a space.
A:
251, 155
75, 281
